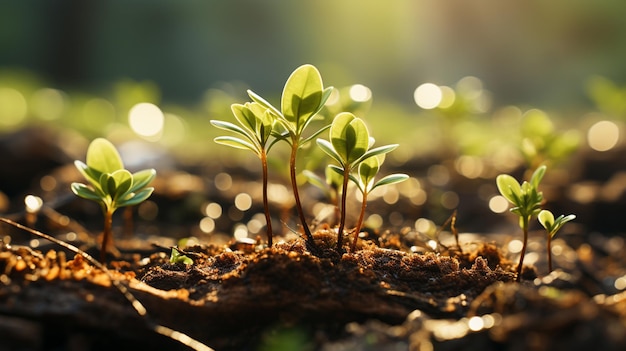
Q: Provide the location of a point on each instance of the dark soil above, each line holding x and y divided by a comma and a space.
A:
393, 293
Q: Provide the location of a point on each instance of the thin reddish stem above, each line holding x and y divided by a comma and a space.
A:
359, 223
108, 223
523, 253
342, 222
266, 207
296, 195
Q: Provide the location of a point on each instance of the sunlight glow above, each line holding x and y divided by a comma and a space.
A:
13, 107
428, 96
603, 136
146, 119
213, 210
498, 204
207, 225
360, 93
48, 104
33, 203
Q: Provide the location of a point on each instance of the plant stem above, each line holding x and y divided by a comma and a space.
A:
266, 207
342, 222
108, 221
296, 195
525, 222
359, 223
549, 253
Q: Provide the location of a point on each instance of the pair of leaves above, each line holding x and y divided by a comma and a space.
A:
526, 197
366, 175
109, 183
552, 225
302, 98
257, 125
350, 142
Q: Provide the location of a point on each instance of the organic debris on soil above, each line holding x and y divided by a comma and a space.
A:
229, 298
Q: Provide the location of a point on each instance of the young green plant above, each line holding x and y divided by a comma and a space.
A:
365, 181
552, 226
527, 200
303, 97
349, 146
257, 125
110, 184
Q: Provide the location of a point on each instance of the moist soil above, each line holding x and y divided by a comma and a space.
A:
394, 292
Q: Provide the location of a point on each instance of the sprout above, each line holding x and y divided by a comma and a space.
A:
257, 126
349, 146
552, 226
110, 184
527, 201
365, 182
302, 99
177, 257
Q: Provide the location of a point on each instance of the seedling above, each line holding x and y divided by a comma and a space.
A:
303, 97
365, 181
257, 125
177, 257
349, 146
110, 184
552, 226
527, 200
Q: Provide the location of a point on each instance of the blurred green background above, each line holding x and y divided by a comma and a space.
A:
526, 52
520, 82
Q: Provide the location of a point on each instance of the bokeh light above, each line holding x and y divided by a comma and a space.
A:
428, 96
146, 119
360, 93
603, 136
13, 107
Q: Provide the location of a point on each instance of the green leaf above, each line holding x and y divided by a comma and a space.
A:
142, 178
258, 99
546, 218
245, 117
85, 192
391, 179
327, 147
123, 183
509, 188
381, 150
316, 134
135, 198
233, 128
368, 169
338, 135
538, 174
237, 143
302, 96
103, 157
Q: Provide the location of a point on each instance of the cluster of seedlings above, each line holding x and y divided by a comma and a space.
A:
260, 126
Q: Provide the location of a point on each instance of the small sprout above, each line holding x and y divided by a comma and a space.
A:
349, 146
176, 257
302, 99
257, 126
527, 200
366, 182
552, 226
110, 184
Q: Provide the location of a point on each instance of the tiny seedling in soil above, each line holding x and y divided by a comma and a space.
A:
349, 146
302, 99
110, 184
257, 126
527, 200
177, 257
365, 181
552, 226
